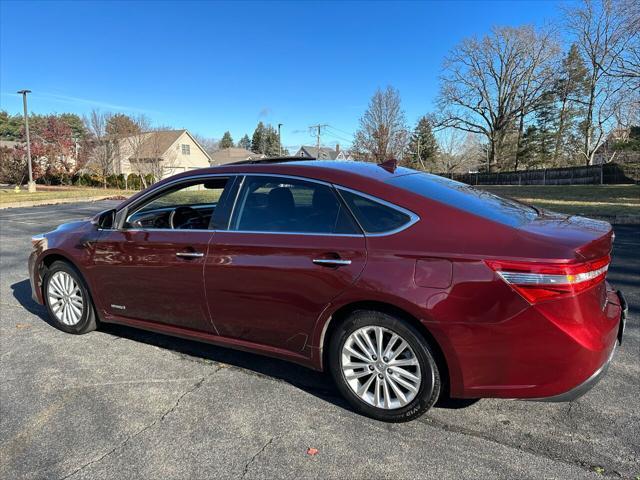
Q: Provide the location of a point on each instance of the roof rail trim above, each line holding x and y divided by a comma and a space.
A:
271, 160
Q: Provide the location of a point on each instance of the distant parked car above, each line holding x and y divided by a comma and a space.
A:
406, 286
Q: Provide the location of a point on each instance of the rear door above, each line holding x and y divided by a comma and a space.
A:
290, 249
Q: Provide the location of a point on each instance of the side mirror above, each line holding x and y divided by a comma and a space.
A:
107, 219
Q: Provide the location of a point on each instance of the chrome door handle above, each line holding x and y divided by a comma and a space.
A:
189, 254
331, 262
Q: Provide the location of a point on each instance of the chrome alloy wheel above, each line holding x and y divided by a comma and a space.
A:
380, 367
65, 298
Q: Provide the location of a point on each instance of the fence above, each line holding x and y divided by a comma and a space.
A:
609, 173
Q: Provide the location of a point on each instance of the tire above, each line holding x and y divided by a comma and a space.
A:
67, 299
363, 387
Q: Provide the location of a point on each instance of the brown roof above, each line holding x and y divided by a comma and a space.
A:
233, 154
153, 144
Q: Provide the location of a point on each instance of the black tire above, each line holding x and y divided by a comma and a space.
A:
87, 321
430, 384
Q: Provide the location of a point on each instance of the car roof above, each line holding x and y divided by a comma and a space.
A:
328, 170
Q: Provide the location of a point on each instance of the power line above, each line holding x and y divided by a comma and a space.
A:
341, 131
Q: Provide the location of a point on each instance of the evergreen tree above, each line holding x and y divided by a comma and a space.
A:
245, 142
11, 126
571, 89
545, 126
258, 141
272, 142
423, 147
226, 141
76, 125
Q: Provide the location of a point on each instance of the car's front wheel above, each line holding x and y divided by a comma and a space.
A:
67, 299
384, 367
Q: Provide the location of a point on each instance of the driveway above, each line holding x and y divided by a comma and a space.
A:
124, 403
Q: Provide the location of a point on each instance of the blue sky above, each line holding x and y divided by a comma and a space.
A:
216, 66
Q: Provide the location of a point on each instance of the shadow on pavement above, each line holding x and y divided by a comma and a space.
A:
319, 384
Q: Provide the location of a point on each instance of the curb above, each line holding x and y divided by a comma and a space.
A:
53, 201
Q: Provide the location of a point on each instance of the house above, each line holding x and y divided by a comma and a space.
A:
233, 154
159, 153
607, 151
325, 153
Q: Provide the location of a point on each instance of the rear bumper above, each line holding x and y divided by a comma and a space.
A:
579, 390
584, 387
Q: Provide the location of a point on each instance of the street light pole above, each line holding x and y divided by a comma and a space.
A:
32, 184
279, 141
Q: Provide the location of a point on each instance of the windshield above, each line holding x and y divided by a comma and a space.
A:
467, 198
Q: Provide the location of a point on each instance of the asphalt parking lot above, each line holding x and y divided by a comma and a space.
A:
121, 403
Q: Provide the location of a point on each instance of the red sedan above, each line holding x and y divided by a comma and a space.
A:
405, 285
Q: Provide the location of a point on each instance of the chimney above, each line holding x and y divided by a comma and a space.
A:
337, 148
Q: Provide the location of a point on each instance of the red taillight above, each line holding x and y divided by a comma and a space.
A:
542, 281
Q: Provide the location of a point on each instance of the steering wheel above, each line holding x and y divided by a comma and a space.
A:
183, 216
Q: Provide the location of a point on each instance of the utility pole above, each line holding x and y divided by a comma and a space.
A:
319, 128
279, 141
32, 185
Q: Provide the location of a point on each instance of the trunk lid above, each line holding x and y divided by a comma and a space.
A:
588, 239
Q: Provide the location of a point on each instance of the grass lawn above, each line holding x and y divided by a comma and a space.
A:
55, 193
587, 200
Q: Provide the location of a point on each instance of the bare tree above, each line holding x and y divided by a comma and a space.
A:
601, 33
492, 83
101, 160
161, 161
383, 131
626, 57
458, 151
132, 145
210, 145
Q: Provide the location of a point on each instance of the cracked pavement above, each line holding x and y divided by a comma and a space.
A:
126, 403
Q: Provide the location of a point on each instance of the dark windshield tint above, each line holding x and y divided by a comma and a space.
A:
468, 198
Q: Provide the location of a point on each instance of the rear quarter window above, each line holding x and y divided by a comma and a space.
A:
467, 198
373, 216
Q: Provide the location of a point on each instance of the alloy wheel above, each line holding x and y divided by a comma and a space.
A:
380, 367
65, 298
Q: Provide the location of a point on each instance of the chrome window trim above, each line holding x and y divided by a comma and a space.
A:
149, 230
316, 234
413, 217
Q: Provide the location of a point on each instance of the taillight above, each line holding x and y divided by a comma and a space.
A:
542, 281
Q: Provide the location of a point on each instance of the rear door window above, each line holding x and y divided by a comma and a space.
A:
374, 216
287, 205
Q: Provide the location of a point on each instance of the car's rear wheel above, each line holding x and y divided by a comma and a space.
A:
383, 367
67, 299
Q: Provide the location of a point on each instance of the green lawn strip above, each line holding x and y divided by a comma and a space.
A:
10, 196
588, 200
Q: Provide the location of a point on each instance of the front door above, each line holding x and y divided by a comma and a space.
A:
291, 248
151, 268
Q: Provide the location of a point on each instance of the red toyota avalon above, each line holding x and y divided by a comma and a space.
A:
405, 285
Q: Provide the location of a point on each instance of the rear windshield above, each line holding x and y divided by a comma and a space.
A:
467, 198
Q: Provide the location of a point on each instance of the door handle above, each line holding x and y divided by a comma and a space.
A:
189, 254
331, 262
